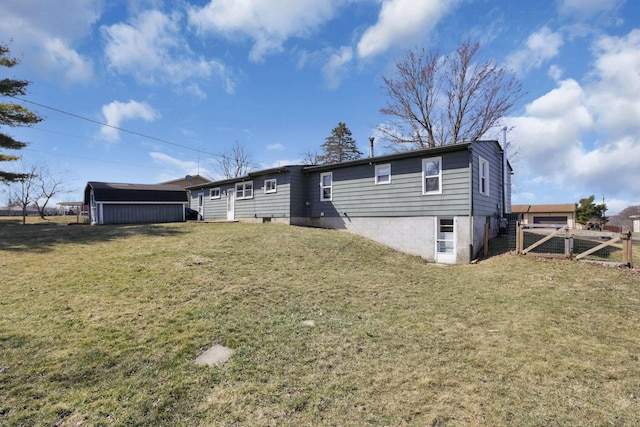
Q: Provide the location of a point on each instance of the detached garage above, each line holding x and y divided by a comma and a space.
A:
116, 203
559, 214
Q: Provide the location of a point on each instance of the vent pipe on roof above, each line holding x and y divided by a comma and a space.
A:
371, 146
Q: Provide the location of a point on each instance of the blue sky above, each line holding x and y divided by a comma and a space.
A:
278, 75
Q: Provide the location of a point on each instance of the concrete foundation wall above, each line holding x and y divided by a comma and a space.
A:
410, 235
275, 220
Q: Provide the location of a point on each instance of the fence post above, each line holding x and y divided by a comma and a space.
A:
518, 238
627, 244
568, 243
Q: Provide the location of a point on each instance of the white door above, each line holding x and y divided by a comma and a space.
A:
231, 204
446, 240
94, 209
200, 206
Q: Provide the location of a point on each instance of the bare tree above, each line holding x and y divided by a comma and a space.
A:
235, 162
439, 100
50, 184
37, 186
623, 220
23, 191
310, 157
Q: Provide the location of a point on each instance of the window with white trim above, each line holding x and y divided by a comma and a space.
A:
270, 185
483, 176
326, 186
214, 193
432, 175
244, 190
383, 174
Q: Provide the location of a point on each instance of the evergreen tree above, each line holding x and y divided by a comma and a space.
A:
339, 146
12, 115
587, 212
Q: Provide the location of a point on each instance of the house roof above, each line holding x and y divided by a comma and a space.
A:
395, 156
250, 175
554, 208
188, 181
123, 192
365, 160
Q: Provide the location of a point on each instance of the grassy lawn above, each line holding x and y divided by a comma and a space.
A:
100, 326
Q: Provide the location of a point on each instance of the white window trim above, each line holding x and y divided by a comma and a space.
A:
322, 187
487, 180
242, 187
378, 175
424, 175
217, 192
275, 186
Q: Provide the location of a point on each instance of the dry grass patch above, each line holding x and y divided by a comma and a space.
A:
101, 326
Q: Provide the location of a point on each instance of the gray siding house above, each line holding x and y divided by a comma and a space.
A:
271, 195
432, 203
118, 203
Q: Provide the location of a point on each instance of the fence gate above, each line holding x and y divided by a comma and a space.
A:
559, 241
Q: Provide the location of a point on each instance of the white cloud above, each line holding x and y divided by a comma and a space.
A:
117, 112
179, 168
62, 57
50, 35
588, 136
401, 22
549, 134
615, 92
152, 49
585, 9
539, 48
275, 147
337, 66
268, 23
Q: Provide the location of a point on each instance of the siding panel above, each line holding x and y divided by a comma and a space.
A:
487, 205
142, 213
356, 194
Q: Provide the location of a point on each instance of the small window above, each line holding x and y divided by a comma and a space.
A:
214, 193
432, 175
244, 190
383, 174
483, 179
326, 184
270, 186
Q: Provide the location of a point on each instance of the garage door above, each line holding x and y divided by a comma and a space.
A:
550, 220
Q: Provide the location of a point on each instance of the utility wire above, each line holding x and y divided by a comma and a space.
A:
74, 156
164, 141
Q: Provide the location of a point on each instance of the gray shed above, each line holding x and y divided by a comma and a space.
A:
120, 203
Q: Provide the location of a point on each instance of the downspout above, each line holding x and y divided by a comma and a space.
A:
504, 171
471, 233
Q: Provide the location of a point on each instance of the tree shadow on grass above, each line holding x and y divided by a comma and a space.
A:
43, 237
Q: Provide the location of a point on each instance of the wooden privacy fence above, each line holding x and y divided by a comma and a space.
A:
560, 241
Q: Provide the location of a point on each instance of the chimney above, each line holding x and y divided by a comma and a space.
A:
371, 146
